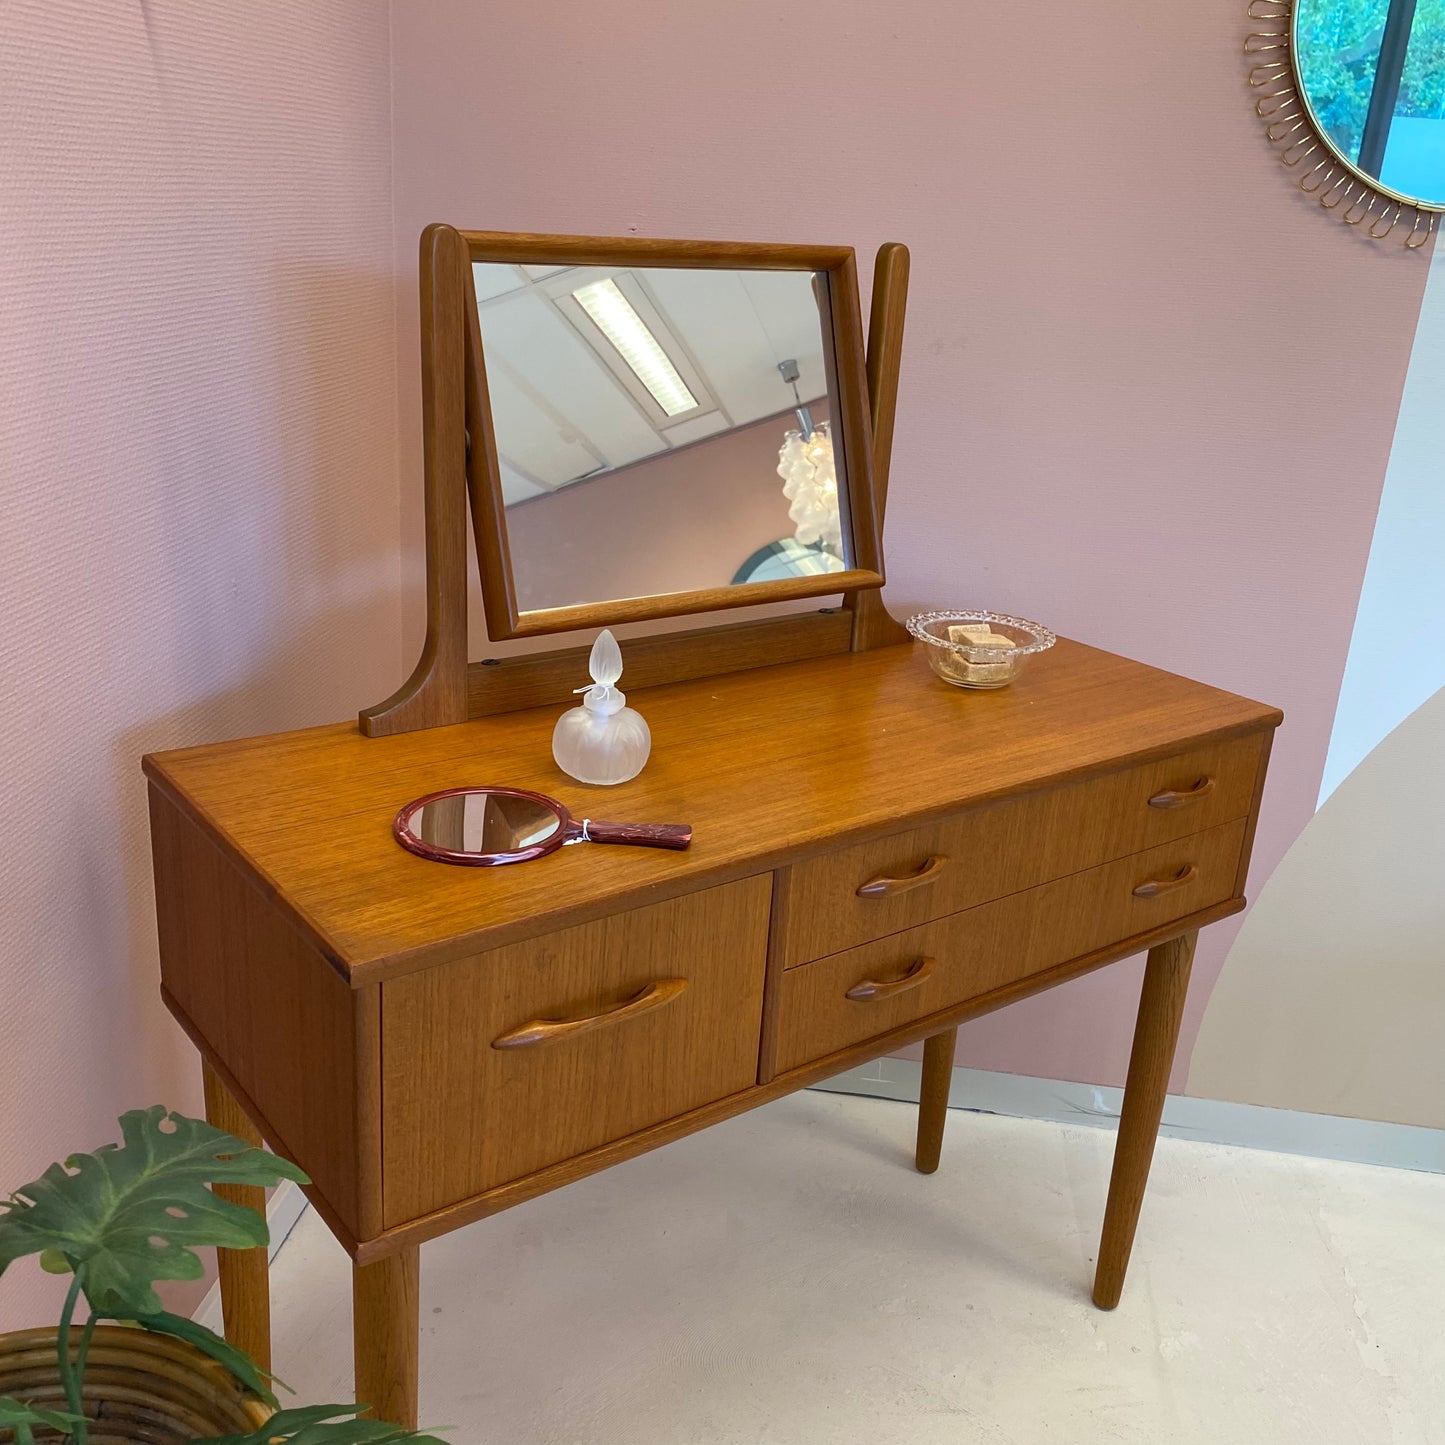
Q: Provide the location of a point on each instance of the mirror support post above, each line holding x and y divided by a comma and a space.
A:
873, 625
436, 692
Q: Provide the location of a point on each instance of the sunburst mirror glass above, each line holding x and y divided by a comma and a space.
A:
1373, 75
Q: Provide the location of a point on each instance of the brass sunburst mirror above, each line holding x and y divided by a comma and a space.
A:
1352, 94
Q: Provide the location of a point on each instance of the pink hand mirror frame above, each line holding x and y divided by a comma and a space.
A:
567, 830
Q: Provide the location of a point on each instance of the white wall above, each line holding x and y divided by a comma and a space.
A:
1397, 650
1333, 998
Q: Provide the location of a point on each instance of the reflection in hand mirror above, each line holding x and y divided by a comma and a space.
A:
656, 427
1373, 72
485, 827
485, 822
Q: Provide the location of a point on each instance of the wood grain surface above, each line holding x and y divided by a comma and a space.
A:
436, 691
507, 684
769, 766
935, 1082
996, 943
873, 624
243, 1274
522, 247
566, 1171
1004, 847
1161, 1007
386, 1304
462, 1116
286, 1028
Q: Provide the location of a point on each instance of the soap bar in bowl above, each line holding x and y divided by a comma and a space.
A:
979, 649
976, 673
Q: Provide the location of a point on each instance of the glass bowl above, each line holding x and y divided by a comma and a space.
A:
967, 665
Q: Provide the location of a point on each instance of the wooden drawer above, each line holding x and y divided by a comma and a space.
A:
461, 1115
1005, 847
957, 958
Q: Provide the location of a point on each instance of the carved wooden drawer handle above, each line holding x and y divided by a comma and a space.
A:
1176, 798
1155, 886
542, 1031
870, 988
887, 887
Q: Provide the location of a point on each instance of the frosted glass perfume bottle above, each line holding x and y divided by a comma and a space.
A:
603, 740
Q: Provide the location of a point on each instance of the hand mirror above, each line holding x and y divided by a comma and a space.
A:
486, 827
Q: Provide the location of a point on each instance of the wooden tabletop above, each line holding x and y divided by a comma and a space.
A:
767, 766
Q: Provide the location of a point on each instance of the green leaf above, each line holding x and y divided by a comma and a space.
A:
325, 1425
131, 1213
53, 1262
238, 1362
21, 1419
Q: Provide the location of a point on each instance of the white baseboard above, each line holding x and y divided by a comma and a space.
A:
1324, 1136
285, 1207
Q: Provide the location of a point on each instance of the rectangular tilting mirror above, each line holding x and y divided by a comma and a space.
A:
662, 428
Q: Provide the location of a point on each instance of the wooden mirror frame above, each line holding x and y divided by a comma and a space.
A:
445, 688
847, 394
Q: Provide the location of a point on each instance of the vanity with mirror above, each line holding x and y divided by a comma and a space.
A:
842, 855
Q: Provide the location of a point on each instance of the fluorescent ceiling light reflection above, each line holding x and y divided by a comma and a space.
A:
615, 318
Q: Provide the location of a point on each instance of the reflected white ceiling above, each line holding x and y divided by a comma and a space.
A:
563, 406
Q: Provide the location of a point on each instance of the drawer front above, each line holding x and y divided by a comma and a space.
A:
881, 887
483, 1080
856, 995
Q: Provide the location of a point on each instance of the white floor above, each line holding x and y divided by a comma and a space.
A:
787, 1277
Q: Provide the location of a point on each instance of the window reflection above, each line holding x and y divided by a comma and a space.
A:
1374, 71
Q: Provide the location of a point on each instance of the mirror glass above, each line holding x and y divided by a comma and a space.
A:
661, 429
1373, 72
484, 822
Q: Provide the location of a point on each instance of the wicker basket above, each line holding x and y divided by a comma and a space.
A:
140, 1388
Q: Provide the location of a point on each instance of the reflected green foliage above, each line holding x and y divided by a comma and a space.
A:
1337, 48
1422, 88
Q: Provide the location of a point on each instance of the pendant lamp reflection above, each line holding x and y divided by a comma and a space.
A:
810, 480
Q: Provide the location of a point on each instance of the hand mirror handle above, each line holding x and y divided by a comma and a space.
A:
642, 835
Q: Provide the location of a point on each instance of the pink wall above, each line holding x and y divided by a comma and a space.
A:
1133, 403
1148, 389
673, 523
198, 514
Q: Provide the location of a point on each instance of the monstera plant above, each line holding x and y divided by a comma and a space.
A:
129, 1215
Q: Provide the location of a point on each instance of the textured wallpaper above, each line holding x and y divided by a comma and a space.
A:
198, 496
1128, 406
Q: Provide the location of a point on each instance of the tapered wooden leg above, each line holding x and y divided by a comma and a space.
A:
1161, 1006
933, 1099
386, 1306
244, 1273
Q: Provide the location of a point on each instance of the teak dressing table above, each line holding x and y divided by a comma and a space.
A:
877, 857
